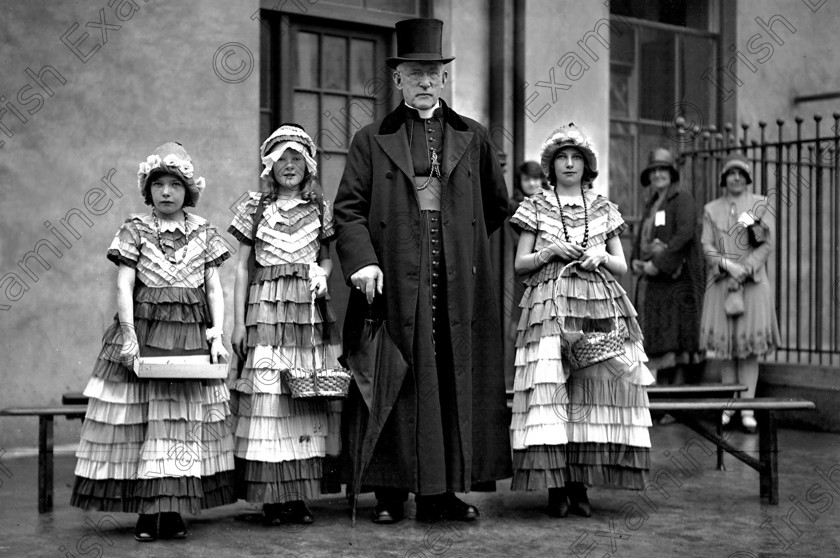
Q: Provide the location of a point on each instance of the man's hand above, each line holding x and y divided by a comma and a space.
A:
369, 280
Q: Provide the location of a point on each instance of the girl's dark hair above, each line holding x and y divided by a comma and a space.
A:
189, 197
746, 176
588, 175
531, 169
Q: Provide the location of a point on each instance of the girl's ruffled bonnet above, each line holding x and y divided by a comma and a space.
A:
568, 136
288, 137
170, 158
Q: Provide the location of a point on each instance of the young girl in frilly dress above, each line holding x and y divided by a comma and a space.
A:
156, 447
575, 426
282, 443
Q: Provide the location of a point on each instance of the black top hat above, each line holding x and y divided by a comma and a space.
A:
418, 40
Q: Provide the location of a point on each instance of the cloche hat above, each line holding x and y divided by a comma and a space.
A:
735, 161
660, 158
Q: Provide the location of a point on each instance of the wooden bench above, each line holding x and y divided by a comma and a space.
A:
765, 408
45, 444
74, 398
695, 391
685, 391
681, 391
686, 410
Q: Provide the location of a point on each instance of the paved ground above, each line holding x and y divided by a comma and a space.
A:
700, 512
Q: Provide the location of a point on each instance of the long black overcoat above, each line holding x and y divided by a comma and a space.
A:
377, 221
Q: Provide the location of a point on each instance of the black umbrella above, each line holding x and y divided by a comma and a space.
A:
375, 358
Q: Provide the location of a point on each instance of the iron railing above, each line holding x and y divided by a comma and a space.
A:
800, 178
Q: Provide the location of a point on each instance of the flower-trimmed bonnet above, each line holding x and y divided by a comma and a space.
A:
288, 136
563, 136
170, 158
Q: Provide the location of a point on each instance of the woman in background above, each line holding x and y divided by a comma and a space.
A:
739, 318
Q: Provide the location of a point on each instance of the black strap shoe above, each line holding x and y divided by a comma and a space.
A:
578, 501
172, 526
297, 511
558, 504
272, 515
146, 529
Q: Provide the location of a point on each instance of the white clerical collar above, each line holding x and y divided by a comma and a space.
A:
426, 113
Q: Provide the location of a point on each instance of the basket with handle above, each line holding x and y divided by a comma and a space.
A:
584, 349
318, 382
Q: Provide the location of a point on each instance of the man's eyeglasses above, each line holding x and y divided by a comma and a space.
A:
416, 76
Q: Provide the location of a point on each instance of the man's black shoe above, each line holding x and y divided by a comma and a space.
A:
444, 507
388, 512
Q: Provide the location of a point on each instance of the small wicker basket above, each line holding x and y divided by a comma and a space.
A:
587, 348
331, 383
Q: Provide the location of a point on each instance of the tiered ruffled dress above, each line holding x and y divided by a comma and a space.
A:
150, 446
586, 425
281, 442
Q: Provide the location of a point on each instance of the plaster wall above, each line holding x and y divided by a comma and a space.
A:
567, 75
115, 82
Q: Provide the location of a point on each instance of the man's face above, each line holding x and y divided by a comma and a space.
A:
420, 83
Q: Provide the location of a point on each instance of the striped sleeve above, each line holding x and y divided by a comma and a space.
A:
328, 224
243, 219
615, 222
125, 248
217, 251
525, 218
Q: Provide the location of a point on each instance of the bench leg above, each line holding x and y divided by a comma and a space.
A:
768, 456
719, 428
45, 463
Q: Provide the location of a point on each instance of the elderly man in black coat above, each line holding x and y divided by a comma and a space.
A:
421, 192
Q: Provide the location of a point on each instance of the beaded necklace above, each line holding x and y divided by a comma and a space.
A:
177, 256
585, 218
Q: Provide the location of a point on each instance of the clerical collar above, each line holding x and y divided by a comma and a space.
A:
434, 112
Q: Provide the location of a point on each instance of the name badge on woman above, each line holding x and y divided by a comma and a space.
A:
659, 218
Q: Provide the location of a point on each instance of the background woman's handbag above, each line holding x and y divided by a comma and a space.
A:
584, 349
733, 304
757, 232
318, 382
